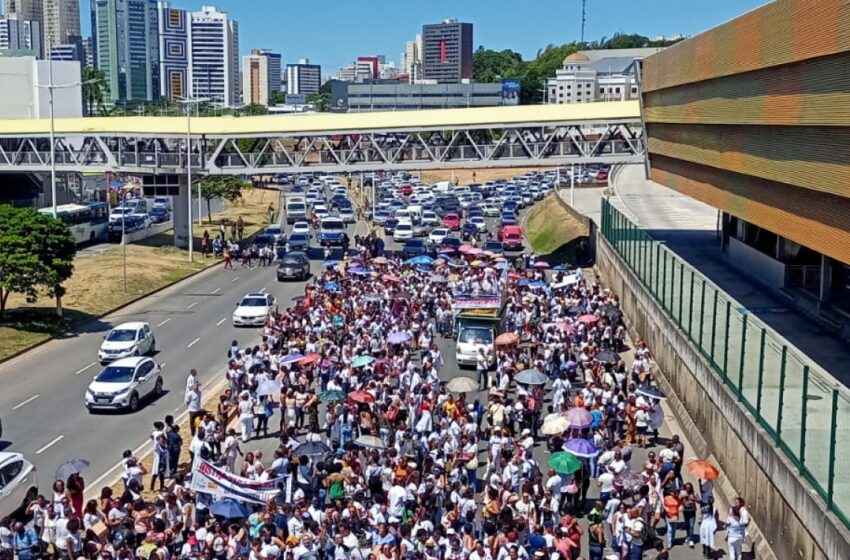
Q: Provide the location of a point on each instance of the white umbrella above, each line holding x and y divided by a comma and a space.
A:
268, 387
370, 442
462, 385
554, 425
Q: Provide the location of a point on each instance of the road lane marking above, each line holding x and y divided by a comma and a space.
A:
220, 322
194, 342
217, 290
163, 322
26, 402
263, 290
81, 370
235, 279
46, 447
191, 305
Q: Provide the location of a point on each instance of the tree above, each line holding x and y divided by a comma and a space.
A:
277, 98
491, 66
255, 109
94, 86
321, 100
36, 251
221, 186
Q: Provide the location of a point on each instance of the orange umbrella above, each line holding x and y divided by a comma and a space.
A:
391, 278
309, 359
703, 470
506, 339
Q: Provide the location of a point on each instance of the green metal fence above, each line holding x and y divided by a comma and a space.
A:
800, 405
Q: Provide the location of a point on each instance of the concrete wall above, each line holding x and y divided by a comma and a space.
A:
755, 264
23, 99
792, 520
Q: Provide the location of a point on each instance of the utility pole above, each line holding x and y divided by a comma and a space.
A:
583, 18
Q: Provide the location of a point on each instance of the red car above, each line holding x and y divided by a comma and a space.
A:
407, 189
602, 176
451, 221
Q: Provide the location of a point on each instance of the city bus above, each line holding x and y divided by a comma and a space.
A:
87, 222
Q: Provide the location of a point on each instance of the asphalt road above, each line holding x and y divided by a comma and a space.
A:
42, 404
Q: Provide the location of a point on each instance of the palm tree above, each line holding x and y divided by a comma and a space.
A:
94, 86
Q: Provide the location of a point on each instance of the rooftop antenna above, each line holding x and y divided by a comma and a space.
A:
583, 17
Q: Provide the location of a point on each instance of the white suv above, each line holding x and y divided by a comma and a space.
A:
18, 483
124, 383
253, 310
128, 339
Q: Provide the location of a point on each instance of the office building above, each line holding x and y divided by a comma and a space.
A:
24, 99
411, 59
753, 136
447, 52
260, 76
603, 75
390, 95
88, 52
198, 54
125, 37
214, 48
27, 10
303, 78
61, 22
20, 37
72, 50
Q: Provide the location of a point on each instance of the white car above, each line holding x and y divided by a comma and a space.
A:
19, 483
438, 235
125, 340
124, 383
301, 227
253, 310
430, 218
321, 211
403, 231
479, 222
490, 210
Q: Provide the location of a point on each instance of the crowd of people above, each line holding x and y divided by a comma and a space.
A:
381, 457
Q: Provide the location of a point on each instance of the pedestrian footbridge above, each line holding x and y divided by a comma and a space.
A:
518, 136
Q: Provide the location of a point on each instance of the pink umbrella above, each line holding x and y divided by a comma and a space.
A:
579, 418
588, 319
390, 278
566, 327
465, 248
474, 251
541, 264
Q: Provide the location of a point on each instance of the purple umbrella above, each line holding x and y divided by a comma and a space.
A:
580, 447
398, 338
360, 271
292, 358
579, 418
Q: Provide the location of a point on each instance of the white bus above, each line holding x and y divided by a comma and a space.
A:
87, 222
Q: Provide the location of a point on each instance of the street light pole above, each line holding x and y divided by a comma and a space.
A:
189, 178
572, 185
124, 235
52, 132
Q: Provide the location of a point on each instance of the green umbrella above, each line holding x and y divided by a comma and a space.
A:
361, 361
564, 463
332, 396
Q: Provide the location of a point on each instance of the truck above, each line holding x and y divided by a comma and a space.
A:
295, 207
478, 327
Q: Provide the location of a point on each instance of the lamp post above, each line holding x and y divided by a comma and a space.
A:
188, 102
124, 235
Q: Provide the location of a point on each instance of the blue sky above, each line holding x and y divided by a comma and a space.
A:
333, 32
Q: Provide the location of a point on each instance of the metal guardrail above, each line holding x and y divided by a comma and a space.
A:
801, 406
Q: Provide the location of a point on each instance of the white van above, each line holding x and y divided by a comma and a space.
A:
404, 217
443, 186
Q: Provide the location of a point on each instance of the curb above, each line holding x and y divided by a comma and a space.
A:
22, 351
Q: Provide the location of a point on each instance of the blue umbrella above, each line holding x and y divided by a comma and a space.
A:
230, 509
421, 259
331, 264
360, 271
536, 284
523, 282
580, 447
361, 361
502, 265
331, 287
398, 337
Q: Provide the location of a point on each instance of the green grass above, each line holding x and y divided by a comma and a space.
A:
554, 233
22, 328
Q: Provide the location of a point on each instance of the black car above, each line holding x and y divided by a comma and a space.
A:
413, 248
389, 225
494, 247
452, 242
264, 240
293, 266
468, 230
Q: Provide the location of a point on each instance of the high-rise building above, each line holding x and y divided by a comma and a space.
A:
447, 52
61, 21
174, 52
303, 78
72, 50
21, 36
411, 59
88, 52
125, 36
198, 54
27, 10
214, 48
260, 76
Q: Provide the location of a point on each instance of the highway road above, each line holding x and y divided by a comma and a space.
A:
42, 404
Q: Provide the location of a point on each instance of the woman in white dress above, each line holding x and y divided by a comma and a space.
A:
707, 528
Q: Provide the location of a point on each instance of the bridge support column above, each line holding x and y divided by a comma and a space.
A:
180, 203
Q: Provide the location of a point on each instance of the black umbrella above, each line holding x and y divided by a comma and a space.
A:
74, 466
607, 356
612, 311
652, 392
312, 449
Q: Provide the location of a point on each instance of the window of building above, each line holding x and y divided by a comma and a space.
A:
634, 89
616, 90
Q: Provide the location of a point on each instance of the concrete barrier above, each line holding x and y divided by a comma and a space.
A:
154, 229
793, 521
